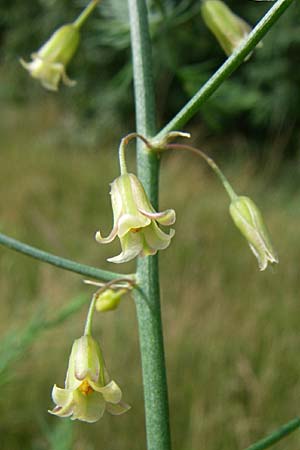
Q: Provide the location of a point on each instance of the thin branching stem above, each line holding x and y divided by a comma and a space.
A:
58, 261
229, 66
277, 435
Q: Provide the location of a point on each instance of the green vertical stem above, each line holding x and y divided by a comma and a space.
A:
147, 298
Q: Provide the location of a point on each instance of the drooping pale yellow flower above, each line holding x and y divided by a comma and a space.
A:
229, 29
49, 63
88, 390
247, 217
136, 221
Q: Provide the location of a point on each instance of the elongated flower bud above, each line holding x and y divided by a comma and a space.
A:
229, 29
249, 221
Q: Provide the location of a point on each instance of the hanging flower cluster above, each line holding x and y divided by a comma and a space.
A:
89, 390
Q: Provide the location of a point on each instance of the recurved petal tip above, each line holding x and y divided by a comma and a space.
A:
166, 218
109, 238
67, 81
25, 64
125, 256
118, 409
111, 392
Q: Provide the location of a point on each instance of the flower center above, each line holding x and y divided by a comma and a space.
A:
85, 388
135, 230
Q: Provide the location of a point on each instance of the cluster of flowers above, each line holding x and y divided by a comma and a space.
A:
49, 63
88, 388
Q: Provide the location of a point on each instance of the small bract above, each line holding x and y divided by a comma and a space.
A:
88, 390
247, 217
136, 221
49, 63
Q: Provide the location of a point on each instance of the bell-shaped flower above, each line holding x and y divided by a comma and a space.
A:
249, 221
49, 63
229, 29
136, 221
88, 390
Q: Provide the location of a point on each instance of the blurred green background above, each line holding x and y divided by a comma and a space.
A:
231, 333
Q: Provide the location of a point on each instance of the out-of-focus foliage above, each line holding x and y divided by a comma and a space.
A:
263, 95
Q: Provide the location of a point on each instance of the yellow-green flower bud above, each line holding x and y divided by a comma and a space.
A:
49, 63
229, 29
136, 221
88, 390
109, 299
249, 221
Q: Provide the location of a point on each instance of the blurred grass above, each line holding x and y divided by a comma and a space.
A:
232, 333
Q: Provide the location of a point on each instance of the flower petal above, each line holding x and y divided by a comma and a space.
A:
109, 238
71, 381
64, 400
166, 218
132, 246
88, 408
156, 238
111, 392
67, 81
62, 412
117, 409
48, 73
128, 222
88, 359
61, 396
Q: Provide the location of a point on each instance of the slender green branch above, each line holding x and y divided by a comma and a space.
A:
230, 65
147, 297
67, 264
277, 435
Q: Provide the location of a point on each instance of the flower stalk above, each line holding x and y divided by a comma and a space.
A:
81, 19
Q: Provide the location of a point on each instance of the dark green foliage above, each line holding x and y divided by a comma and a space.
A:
263, 96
